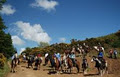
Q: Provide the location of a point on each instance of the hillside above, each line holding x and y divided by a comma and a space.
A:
108, 42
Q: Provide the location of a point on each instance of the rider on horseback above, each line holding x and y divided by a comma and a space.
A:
58, 56
72, 57
100, 56
15, 56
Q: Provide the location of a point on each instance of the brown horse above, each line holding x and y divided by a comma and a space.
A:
14, 63
70, 64
57, 64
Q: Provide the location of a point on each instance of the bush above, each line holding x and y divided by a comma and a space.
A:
2, 61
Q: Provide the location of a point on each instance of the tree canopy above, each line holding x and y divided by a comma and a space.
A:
6, 46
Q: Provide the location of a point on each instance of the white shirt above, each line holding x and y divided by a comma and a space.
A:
46, 55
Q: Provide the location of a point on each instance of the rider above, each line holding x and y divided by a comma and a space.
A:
58, 56
39, 55
72, 57
15, 56
100, 55
46, 55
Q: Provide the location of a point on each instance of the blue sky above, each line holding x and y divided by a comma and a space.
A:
32, 21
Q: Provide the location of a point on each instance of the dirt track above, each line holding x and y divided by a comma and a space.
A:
22, 71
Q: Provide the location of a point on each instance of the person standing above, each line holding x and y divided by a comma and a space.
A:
115, 53
110, 53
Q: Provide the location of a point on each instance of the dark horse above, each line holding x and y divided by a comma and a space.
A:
55, 63
70, 64
46, 60
100, 65
30, 60
38, 62
14, 63
84, 65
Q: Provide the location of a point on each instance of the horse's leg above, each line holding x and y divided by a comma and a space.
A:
98, 70
77, 66
32, 66
39, 66
70, 69
27, 65
61, 68
106, 69
83, 70
46, 62
101, 72
13, 68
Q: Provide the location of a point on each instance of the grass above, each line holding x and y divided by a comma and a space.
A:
5, 70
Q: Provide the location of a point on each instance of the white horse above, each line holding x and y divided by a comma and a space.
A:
100, 65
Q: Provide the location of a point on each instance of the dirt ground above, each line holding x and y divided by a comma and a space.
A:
22, 71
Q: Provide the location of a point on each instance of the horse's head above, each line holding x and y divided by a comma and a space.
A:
93, 58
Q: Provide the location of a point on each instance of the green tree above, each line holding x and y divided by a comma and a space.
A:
6, 46
43, 44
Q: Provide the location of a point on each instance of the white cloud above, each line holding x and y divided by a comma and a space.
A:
21, 50
17, 41
62, 39
33, 32
45, 4
7, 9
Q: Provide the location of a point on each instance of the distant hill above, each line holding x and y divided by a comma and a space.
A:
108, 42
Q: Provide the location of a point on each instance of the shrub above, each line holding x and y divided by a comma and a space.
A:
2, 60
2, 63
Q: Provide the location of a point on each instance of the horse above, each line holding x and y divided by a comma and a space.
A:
70, 64
101, 65
55, 63
84, 65
38, 62
46, 60
14, 63
30, 61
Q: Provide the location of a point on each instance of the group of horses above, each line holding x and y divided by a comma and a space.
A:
29, 59
58, 66
55, 63
65, 65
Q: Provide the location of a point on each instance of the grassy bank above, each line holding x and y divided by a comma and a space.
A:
5, 70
